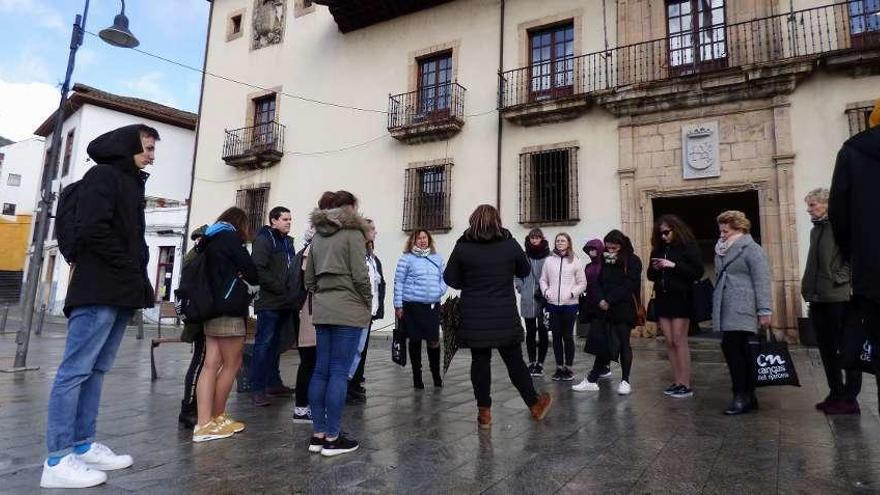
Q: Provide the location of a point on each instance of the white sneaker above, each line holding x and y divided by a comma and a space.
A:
100, 457
624, 388
71, 473
586, 386
606, 375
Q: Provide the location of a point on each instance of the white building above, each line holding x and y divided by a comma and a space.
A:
571, 115
19, 174
90, 113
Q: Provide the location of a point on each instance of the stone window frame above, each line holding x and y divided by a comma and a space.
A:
526, 201
524, 30
257, 95
857, 114
300, 9
413, 185
453, 47
230, 25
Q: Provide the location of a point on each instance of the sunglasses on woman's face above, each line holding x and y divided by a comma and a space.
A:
665, 233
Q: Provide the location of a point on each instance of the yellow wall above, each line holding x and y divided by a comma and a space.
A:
14, 239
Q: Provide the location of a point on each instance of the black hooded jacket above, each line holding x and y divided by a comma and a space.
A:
112, 255
484, 271
853, 209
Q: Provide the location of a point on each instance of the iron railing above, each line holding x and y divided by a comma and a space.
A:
804, 34
549, 187
435, 104
427, 197
260, 139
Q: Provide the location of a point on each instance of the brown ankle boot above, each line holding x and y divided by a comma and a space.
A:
540, 408
484, 418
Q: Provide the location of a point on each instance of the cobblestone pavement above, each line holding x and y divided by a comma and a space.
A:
427, 442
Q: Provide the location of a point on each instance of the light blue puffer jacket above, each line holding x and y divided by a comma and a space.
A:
419, 279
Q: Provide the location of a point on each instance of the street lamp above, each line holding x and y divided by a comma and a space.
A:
116, 35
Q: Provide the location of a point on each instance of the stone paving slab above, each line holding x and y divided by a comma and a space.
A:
426, 442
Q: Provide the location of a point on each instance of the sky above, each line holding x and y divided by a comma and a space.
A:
35, 42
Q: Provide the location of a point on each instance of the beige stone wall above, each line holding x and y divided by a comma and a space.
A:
755, 154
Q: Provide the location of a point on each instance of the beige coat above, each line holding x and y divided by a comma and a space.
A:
306, 327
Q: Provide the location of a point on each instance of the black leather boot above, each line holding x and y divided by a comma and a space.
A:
739, 405
415, 359
434, 362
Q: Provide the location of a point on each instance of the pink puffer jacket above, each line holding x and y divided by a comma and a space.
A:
563, 280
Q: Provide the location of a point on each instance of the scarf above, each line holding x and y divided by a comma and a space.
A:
820, 221
561, 254
722, 247
421, 253
538, 252
308, 235
610, 258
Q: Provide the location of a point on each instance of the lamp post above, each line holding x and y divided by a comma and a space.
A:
117, 35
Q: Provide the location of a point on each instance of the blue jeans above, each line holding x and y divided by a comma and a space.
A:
93, 337
265, 361
336, 347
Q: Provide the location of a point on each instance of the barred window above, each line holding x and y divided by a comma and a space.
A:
858, 116
427, 198
549, 187
253, 201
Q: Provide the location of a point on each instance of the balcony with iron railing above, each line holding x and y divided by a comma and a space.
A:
257, 146
430, 113
785, 44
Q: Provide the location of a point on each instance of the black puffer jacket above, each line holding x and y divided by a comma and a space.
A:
619, 283
688, 268
853, 209
112, 256
228, 263
484, 271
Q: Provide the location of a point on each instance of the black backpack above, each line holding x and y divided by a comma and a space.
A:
296, 281
65, 221
195, 300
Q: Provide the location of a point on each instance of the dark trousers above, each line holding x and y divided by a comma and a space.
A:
481, 374
562, 326
358, 376
828, 320
622, 333
870, 310
535, 328
266, 360
192, 374
735, 346
307, 358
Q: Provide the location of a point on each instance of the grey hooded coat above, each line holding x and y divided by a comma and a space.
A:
742, 287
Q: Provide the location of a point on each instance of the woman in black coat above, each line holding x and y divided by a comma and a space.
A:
675, 265
483, 265
618, 292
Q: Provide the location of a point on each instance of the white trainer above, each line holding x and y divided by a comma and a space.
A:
624, 388
71, 473
586, 386
100, 457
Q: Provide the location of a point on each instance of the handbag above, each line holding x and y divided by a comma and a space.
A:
701, 301
858, 352
641, 314
772, 364
398, 344
651, 312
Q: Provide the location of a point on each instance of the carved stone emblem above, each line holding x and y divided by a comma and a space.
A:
699, 144
269, 17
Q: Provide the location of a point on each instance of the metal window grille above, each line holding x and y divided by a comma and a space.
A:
549, 187
253, 201
427, 198
858, 119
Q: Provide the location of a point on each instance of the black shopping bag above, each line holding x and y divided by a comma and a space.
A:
858, 352
601, 341
772, 363
398, 344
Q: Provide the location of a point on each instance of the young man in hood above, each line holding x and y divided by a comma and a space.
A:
852, 211
273, 253
108, 283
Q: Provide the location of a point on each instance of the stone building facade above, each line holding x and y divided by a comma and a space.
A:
571, 115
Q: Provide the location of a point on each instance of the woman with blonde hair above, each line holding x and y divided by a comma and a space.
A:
562, 282
741, 303
418, 287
